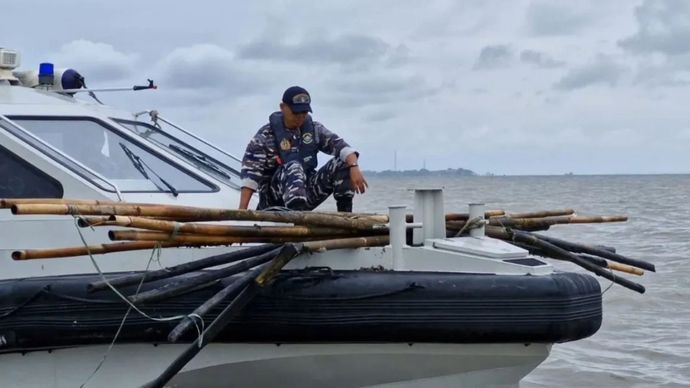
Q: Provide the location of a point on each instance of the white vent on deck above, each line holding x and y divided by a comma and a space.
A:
483, 247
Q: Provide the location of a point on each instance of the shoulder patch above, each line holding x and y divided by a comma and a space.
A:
307, 138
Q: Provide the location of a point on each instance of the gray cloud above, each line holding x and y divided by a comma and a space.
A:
208, 66
539, 59
602, 71
225, 88
493, 57
662, 75
95, 60
663, 27
379, 88
343, 49
551, 18
381, 115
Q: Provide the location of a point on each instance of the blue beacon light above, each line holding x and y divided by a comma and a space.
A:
46, 74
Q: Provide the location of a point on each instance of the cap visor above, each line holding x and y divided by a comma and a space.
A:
300, 108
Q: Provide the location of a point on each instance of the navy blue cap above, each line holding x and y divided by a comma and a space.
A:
298, 99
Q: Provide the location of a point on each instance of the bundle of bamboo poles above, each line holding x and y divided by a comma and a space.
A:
285, 235
144, 226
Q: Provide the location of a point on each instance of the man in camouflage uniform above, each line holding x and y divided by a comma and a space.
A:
281, 159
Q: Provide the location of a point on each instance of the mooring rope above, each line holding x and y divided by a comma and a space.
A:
131, 305
474, 223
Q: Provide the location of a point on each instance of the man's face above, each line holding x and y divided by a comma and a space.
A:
292, 120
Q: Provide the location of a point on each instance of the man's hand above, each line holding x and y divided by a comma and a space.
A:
359, 184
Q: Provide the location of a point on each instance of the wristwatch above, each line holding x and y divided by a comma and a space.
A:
353, 165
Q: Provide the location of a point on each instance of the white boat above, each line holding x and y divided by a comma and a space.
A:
453, 333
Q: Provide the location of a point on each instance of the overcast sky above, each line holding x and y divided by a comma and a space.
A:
507, 87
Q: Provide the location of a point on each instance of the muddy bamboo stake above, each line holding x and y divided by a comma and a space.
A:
245, 296
175, 288
504, 234
209, 334
180, 269
229, 291
181, 286
593, 259
558, 252
597, 251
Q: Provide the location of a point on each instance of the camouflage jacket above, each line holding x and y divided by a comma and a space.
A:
261, 157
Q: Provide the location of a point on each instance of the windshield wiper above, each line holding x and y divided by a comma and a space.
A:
141, 166
201, 159
136, 161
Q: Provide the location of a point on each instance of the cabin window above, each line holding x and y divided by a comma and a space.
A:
194, 151
19, 179
127, 163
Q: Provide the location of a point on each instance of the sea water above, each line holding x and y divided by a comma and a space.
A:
644, 340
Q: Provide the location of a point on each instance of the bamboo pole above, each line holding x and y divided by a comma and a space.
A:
53, 253
540, 223
164, 273
89, 221
624, 268
6, 203
203, 239
226, 230
346, 243
553, 220
296, 217
540, 214
462, 216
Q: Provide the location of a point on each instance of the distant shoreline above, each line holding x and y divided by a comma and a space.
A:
422, 172
445, 173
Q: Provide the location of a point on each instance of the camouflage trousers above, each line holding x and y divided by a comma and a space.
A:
293, 188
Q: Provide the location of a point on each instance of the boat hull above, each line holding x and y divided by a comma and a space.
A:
284, 365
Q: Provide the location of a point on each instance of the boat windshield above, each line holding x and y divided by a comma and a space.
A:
212, 161
130, 165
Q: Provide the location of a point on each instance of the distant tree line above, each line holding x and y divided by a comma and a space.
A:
422, 172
